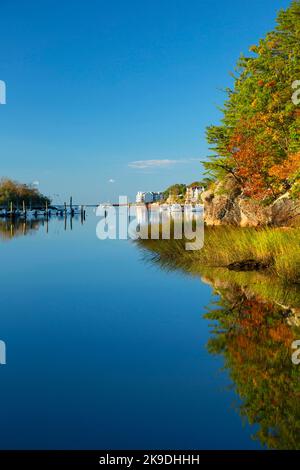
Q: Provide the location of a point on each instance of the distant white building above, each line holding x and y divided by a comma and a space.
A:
193, 193
139, 197
158, 196
148, 196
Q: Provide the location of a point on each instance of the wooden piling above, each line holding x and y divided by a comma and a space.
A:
24, 209
65, 214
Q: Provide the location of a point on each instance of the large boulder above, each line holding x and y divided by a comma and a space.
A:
225, 204
253, 213
286, 211
220, 207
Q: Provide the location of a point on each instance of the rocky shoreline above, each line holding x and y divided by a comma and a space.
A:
225, 204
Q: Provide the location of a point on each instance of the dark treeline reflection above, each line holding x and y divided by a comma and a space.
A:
16, 227
254, 321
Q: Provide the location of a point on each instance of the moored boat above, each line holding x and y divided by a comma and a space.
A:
176, 208
164, 207
198, 208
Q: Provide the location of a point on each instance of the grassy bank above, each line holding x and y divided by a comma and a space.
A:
277, 249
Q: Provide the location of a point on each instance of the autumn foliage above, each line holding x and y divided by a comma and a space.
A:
254, 337
14, 192
258, 141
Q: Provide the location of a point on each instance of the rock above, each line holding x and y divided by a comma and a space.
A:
254, 214
247, 265
286, 211
294, 318
220, 204
226, 205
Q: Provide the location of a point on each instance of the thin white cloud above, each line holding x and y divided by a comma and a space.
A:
144, 164
35, 183
111, 181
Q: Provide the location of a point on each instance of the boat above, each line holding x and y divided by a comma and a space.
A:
176, 208
198, 208
164, 207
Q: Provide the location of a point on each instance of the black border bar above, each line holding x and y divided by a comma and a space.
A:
124, 459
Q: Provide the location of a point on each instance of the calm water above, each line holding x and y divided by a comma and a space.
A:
106, 350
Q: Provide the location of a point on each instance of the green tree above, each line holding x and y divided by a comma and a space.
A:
176, 190
260, 127
12, 191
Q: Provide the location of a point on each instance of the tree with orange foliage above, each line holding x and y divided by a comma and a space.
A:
288, 172
258, 140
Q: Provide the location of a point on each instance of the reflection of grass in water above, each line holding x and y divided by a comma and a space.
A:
261, 284
277, 248
9, 230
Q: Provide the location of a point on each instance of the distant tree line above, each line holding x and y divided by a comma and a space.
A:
178, 190
12, 191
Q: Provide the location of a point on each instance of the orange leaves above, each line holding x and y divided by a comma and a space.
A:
254, 149
282, 333
250, 159
261, 83
286, 169
297, 113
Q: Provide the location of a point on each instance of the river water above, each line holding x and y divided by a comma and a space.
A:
107, 350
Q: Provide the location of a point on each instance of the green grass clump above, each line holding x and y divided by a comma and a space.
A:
279, 249
276, 248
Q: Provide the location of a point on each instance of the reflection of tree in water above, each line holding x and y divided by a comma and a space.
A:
11, 229
255, 336
255, 320
16, 227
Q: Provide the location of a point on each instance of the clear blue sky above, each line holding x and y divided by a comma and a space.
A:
95, 85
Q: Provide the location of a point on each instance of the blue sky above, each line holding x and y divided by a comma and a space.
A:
111, 97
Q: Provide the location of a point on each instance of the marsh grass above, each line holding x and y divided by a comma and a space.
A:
278, 249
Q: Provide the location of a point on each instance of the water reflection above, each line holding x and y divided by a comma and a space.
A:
15, 228
11, 228
255, 319
254, 335
156, 216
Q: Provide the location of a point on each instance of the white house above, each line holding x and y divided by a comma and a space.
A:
139, 197
193, 193
148, 196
